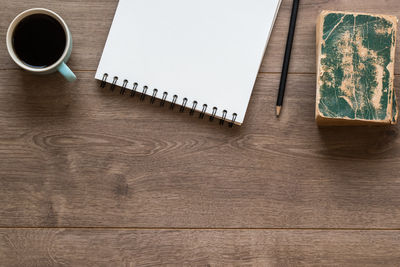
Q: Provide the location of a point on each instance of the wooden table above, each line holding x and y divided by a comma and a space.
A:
88, 177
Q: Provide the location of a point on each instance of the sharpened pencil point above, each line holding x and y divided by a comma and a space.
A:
278, 111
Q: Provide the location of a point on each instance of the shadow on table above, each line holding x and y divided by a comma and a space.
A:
359, 142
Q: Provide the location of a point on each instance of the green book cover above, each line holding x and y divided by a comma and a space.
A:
355, 61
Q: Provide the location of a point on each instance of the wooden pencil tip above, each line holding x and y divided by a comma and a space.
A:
278, 111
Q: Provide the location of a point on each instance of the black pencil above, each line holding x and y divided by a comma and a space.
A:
286, 60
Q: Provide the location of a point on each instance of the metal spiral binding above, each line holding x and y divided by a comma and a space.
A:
203, 111
193, 108
234, 116
143, 95
153, 97
213, 113
123, 88
104, 80
171, 107
222, 120
135, 85
164, 99
182, 109
114, 83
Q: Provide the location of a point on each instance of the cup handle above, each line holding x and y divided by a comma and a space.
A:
66, 72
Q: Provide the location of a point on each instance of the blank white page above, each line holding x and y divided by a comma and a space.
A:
207, 51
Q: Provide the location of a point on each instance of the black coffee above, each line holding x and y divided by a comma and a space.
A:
39, 40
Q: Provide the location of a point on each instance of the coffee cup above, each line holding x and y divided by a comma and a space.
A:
39, 41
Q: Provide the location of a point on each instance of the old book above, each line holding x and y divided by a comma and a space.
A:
355, 69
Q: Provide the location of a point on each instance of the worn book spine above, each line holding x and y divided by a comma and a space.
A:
355, 69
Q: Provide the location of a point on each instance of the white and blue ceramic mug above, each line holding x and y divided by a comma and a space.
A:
39, 41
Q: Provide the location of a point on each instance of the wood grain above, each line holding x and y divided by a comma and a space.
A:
78, 155
273, 192
76, 247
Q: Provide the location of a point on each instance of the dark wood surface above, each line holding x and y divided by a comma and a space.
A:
88, 177
95, 247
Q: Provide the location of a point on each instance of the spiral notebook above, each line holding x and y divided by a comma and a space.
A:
201, 56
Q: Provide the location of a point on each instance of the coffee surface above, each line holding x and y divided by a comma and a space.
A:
39, 40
